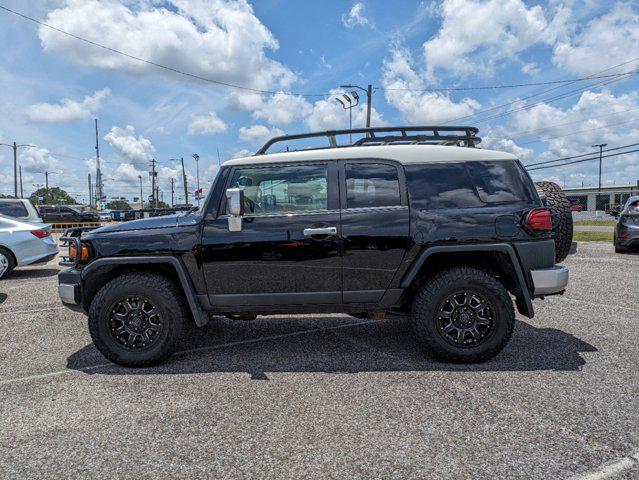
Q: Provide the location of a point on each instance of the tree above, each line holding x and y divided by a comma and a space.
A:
118, 205
52, 196
162, 204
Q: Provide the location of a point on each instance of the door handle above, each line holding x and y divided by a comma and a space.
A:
310, 232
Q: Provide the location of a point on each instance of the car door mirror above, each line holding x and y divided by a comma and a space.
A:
235, 207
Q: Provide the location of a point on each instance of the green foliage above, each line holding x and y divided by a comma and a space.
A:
118, 205
52, 196
162, 204
580, 236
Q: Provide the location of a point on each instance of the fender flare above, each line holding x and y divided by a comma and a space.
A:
524, 304
199, 316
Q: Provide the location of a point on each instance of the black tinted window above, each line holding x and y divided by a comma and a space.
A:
441, 185
371, 185
13, 209
500, 181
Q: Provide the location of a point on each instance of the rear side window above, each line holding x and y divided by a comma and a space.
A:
371, 185
13, 209
441, 185
500, 181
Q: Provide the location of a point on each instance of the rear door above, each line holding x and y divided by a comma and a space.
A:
375, 226
288, 251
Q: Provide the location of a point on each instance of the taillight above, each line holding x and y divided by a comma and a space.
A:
41, 233
539, 220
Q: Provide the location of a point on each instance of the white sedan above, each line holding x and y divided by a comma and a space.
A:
24, 243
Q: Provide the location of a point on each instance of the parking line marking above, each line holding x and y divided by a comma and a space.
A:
596, 304
36, 310
610, 469
185, 352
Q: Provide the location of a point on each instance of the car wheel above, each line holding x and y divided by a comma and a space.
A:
135, 320
559, 207
7, 262
463, 315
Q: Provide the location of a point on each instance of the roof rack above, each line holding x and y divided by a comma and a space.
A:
431, 135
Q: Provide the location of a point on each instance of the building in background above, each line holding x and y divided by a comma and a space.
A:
591, 199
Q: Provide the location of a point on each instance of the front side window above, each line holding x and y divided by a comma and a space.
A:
371, 185
282, 189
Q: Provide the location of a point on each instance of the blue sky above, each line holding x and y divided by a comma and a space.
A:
52, 86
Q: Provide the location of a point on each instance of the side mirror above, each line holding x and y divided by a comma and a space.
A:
235, 207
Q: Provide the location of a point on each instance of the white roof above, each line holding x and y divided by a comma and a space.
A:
405, 154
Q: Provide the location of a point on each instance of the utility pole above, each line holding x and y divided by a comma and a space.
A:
20, 169
172, 192
15, 146
90, 189
186, 188
600, 145
98, 176
46, 186
196, 157
154, 198
141, 197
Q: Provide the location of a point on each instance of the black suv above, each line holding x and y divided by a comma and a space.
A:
65, 214
417, 224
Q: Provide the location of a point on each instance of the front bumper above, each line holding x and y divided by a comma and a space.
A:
548, 281
69, 288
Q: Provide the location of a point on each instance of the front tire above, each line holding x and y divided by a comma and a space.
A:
135, 320
463, 315
7, 263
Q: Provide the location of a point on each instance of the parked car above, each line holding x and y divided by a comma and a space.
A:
418, 224
19, 208
23, 243
66, 214
105, 216
626, 236
575, 207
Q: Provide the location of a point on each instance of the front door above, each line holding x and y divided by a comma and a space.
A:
288, 251
375, 227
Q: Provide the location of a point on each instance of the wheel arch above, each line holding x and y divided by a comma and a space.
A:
102, 270
497, 258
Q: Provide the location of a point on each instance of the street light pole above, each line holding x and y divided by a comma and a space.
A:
369, 100
141, 194
600, 145
349, 107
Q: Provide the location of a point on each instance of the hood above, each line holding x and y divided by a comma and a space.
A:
166, 221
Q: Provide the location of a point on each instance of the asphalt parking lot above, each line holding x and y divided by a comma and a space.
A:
328, 396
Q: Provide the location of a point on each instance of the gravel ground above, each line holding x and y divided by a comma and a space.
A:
327, 396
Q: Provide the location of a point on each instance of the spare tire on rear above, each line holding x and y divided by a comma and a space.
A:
561, 214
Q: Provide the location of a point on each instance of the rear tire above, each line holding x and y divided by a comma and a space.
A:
438, 322
135, 320
561, 214
7, 263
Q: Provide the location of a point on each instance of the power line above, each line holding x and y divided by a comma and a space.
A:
582, 160
495, 87
159, 65
538, 94
580, 155
580, 131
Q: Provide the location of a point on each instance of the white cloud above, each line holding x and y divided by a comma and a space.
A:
220, 39
37, 160
356, 17
597, 117
243, 152
137, 149
258, 134
475, 35
68, 110
282, 110
398, 75
207, 125
607, 40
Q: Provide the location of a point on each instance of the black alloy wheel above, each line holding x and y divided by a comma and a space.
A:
135, 322
464, 319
